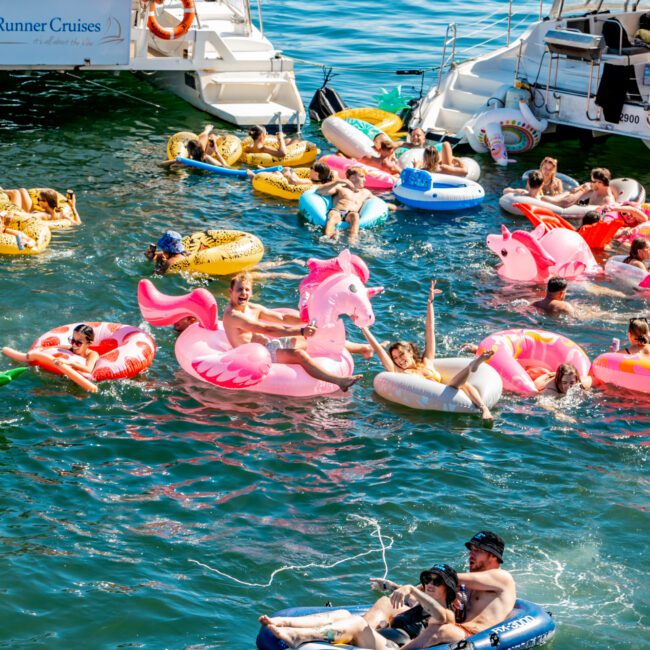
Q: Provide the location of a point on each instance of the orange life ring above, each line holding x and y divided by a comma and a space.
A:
168, 33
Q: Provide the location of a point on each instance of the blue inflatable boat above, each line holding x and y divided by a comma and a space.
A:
528, 626
314, 207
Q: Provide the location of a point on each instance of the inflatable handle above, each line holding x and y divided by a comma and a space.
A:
47, 362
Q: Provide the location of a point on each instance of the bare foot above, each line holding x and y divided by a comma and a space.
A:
265, 620
485, 356
486, 415
347, 382
250, 173
469, 347
291, 636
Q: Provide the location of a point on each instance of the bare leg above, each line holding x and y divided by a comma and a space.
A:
353, 220
446, 154
477, 400
333, 220
364, 349
462, 376
435, 635
313, 620
314, 370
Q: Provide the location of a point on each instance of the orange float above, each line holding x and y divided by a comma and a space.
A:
171, 33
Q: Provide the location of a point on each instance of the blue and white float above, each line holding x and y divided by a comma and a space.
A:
528, 626
223, 171
314, 207
418, 188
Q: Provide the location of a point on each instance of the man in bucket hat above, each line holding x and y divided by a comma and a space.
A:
167, 250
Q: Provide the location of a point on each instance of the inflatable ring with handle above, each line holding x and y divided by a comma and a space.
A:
171, 33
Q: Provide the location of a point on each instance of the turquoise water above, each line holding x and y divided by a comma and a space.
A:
109, 501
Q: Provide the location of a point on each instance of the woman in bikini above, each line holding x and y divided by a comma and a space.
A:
638, 333
559, 383
552, 185
442, 162
404, 356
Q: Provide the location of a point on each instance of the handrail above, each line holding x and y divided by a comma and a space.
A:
451, 27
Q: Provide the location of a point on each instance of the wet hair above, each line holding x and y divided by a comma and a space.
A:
638, 244
639, 330
601, 174
195, 150
430, 157
535, 180
256, 132
87, 331
406, 346
355, 171
555, 285
590, 217
50, 197
244, 276
565, 370
325, 174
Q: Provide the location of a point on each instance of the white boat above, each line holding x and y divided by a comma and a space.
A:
580, 66
222, 63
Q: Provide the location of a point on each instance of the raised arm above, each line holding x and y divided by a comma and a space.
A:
384, 357
496, 580
430, 332
439, 614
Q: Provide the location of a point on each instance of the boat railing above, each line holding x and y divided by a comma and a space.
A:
450, 40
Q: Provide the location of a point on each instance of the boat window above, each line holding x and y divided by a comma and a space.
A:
580, 24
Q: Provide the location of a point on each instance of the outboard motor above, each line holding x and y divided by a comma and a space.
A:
326, 101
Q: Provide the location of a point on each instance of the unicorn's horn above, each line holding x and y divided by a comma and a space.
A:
373, 291
160, 309
505, 233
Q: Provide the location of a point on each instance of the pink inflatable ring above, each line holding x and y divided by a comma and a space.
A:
631, 371
519, 349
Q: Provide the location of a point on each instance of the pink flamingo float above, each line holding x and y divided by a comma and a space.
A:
538, 255
332, 288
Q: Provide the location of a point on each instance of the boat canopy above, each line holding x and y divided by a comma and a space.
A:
572, 7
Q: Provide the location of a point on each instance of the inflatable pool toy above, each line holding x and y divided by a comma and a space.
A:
538, 255
219, 252
391, 100
376, 179
414, 157
124, 352
631, 277
503, 130
298, 153
7, 376
347, 138
519, 349
381, 119
626, 189
63, 205
222, 171
527, 626
314, 207
631, 371
32, 227
568, 183
333, 287
597, 235
426, 191
228, 145
277, 185
366, 128
627, 237
416, 392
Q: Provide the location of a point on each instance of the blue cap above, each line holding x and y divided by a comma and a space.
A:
171, 242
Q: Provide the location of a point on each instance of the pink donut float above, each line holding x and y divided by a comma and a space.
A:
519, 349
631, 371
333, 287
376, 179
124, 351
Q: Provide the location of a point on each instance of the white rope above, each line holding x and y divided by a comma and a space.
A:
314, 565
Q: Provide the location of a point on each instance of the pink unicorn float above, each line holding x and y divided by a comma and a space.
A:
538, 255
333, 288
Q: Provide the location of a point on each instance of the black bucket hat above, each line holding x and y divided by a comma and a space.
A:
488, 541
448, 575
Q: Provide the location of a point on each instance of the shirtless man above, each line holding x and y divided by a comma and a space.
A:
554, 302
245, 322
491, 594
349, 197
534, 184
597, 192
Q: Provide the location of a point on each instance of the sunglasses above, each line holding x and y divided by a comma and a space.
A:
432, 578
75, 342
636, 318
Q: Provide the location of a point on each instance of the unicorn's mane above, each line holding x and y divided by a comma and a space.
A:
542, 259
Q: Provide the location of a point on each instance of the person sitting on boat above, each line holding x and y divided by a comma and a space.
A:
554, 302
388, 624
596, 192
46, 205
533, 188
22, 239
245, 322
560, 381
258, 135
443, 161
166, 251
639, 253
552, 185
348, 196
404, 356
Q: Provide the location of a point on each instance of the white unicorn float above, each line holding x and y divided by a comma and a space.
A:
504, 130
332, 288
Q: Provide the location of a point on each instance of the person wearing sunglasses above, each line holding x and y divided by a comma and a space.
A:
409, 610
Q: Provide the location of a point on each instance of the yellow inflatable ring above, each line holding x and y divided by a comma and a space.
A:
63, 206
275, 184
219, 252
298, 153
383, 120
32, 227
228, 145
